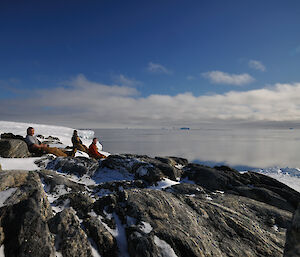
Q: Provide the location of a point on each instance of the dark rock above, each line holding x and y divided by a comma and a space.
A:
259, 180
109, 202
13, 148
149, 169
227, 225
23, 220
80, 202
166, 165
292, 245
148, 173
173, 161
139, 245
250, 184
211, 178
266, 196
78, 165
106, 243
187, 189
116, 186
119, 162
11, 136
52, 179
70, 238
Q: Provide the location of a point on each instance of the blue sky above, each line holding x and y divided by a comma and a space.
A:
155, 48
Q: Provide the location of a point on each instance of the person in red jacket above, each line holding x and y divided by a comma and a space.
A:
93, 150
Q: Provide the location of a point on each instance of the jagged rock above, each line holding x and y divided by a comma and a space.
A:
250, 184
70, 238
149, 169
106, 243
119, 162
142, 245
79, 165
80, 202
148, 173
187, 189
292, 245
116, 186
262, 181
224, 213
23, 219
211, 178
13, 148
173, 161
226, 225
266, 196
53, 180
11, 136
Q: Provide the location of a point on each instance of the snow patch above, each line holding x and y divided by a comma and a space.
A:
179, 166
4, 195
19, 163
275, 227
63, 133
166, 249
164, 183
119, 234
145, 227
208, 198
288, 176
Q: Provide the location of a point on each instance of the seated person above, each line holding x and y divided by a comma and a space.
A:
35, 146
93, 150
77, 143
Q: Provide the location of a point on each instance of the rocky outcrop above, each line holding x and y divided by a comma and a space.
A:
13, 148
104, 240
70, 239
78, 165
210, 212
292, 245
23, 218
198, 225
250, 184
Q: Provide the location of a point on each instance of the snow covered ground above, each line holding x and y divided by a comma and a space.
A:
63, 133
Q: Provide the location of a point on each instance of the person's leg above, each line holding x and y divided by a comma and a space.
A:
82, 148
55, 151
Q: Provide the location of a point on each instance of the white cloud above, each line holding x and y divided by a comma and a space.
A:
256, 65
219, 77
83, 103
158, 68
125, 81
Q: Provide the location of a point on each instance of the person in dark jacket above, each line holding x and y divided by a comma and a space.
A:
36, 147
93, 150
77, 143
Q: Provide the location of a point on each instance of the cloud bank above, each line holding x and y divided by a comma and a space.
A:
219, 77
85, 104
